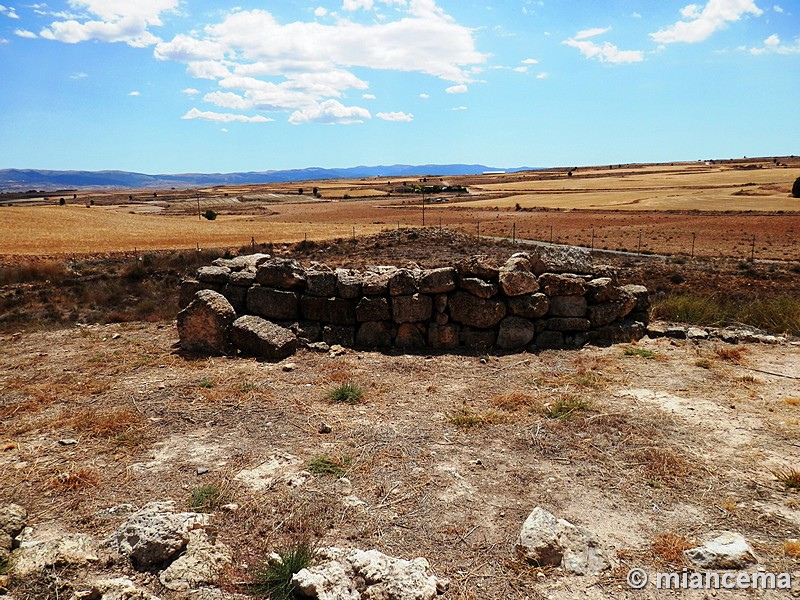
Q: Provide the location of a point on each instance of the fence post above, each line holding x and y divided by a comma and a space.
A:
479, 230
753, 250
551, 234
694, 235
513, 233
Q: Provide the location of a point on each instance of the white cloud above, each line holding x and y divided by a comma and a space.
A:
9, 11
4, 41
520, 69
530, 61
352, 5
135, 94
24, 33
605, 52
111, 21
543, 76
588, 33
459, 108
183, 48
773, 45
223, 117
636, 15
331, 112
703, 23
190, 91
457, 89
224, 130
424, 96
396, 116
320, 11
777, 8
368, 96
79, 75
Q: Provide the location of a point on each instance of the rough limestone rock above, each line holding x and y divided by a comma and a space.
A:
241, 263
71, 549
443, 337
321, 283
255, 336
203, 325
119, 588
348, 283
562, 285
515, 332
561, 259
373, 309
438, 281
476, 312
213, 274
200, 564
155, 535
727, 551
567, 306
374, 334
340, 574
411, 309
375, 280
601, 289
516, 277
478, 287
529, 306
12, 521
546, 540
410, 335
479, 266
271, 303
403, 282
281, 273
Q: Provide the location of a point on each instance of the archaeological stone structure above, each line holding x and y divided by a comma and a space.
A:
267, 306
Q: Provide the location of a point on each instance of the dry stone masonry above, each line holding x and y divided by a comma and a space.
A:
267, 306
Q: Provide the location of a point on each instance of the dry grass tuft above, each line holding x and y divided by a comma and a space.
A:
105, 424
791, 548
792, 401
76, 480
513, 401
733, 355
466, 418
662, 465
788, 476
668, 548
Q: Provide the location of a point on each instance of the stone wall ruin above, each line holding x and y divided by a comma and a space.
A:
549, 298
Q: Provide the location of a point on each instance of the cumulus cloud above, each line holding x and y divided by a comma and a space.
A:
605, 52
774, 45
24, 33
424, 96
396, 116
320, 11
530, 61
457, 89
331, 112
134, 93
223, 117
368, 96
778, 8
190, 91
111, 21
589, 33
543, 75
702, 23
9, 11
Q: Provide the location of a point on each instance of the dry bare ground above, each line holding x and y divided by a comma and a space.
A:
449, 452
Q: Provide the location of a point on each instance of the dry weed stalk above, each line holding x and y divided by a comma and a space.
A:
668, 548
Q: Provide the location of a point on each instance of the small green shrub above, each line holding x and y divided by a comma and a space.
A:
274, 580
206, 498
347, 393
206, 383
324, 465
796, 188
210, 215
564, 407
466, 418
640, 352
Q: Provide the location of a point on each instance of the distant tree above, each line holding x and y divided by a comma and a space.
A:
300, 191
315, 191
796, 188
569, 174
210, 215
61, 201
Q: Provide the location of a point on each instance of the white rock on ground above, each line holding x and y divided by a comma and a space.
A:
200, 564
155, 535
546, 540
728, 550
119, 588
71, 549
355, 574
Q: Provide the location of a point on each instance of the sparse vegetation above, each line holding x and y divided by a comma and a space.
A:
274, 580
733, 355
210, 215
564, 406
703, 363
668, 549
640, 352
796, 188
791, 548
788, 476
325, 465
346, 393
208, 497
77, 479
466, 418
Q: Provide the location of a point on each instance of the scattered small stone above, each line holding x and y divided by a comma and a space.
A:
318, 346
68, 442
337, 350
230, 507
324, 428
202, 470
288, 367
729, 550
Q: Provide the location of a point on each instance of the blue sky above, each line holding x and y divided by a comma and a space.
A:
168, 86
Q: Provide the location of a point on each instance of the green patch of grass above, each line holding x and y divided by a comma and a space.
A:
274, 579
347, 393
779, 314
206, 383
208, 497
788, 476
325, 465
564, 407
466, 418
640, 352
247, 386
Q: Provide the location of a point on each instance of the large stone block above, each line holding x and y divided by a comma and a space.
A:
348, 283
639, 292
403, 282
213, 274
479, 266
255, 336
475, 312
373, 309
411, 309
567, 324
272, 303
562, 285
567, 306
479, 339
561, 259
601, 289
437, 281
339, 334
604, 313
321, 283
516, 277
374, 334
411, 335
281, 273
237, 296
515, 332
375, 280
337, 311
203, 325
529, 306
478, 287
444, 337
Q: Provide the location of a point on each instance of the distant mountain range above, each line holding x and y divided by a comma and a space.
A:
19, 180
